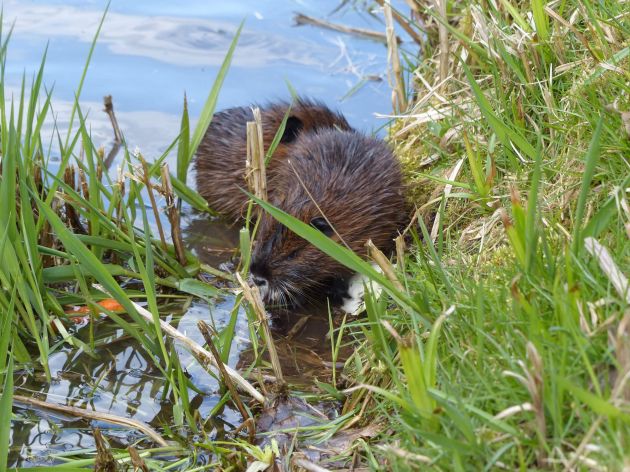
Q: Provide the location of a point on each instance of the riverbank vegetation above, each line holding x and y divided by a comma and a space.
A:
501, 339
516, 142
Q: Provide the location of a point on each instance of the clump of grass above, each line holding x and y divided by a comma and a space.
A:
525, 376
72, 234
501, 340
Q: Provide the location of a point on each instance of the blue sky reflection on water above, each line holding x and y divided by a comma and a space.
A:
151, 52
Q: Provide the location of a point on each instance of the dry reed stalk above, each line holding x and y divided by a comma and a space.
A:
443, 39
247, 419
118, 137
72, 217
301, 19
202, 353
100, 153
413, 4
617, 278
532, 379
405, 24
400, 252
252, 295
37, 176
308, 465
396, 80
535, 385
94, 415
85, 189
137, 462
83, 183
173, 214
120, 182
146, 178
447, 191
383, 262
104, 460
255, 165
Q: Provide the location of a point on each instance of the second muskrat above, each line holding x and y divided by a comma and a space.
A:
346, 184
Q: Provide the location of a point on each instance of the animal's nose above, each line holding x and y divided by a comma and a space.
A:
260, 281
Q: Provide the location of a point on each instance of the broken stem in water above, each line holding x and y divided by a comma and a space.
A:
94, 415
247, 419
256, 175
172, 212
202, 353
146, 178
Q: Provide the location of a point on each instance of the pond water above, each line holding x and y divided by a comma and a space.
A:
148, 55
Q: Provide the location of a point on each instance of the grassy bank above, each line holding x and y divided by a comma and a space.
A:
517, 152
502, 338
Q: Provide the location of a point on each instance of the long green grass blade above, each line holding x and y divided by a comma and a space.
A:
339, 253
592, 155
208, 109
506, 134
183, 154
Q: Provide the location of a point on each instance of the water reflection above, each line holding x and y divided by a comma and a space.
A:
121, 379
212, 240
175, 40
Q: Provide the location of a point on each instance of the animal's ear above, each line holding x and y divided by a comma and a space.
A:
322, 225
292, 129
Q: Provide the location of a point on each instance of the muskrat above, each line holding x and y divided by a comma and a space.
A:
220, 162
345, 184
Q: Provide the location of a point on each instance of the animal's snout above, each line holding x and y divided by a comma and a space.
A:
260, 273
260, 281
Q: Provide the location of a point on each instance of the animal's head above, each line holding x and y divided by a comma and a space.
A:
345, 185
287, 269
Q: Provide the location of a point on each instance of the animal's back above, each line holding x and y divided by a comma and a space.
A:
220, 161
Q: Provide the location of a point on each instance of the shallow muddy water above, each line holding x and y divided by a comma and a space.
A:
150, 53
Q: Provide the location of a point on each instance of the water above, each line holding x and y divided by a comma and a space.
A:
152, 52
149, 54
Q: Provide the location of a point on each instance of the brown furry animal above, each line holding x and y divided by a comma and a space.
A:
346, 184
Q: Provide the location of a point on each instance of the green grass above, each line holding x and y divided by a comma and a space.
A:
526, 373
46, 263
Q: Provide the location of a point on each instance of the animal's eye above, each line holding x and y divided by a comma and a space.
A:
322, 225
292, 129
292, 255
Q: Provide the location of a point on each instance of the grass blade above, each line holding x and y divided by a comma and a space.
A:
592, 155
208, 109
339, 253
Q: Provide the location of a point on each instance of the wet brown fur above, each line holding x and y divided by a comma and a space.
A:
356, 182
220, 162
352, 179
